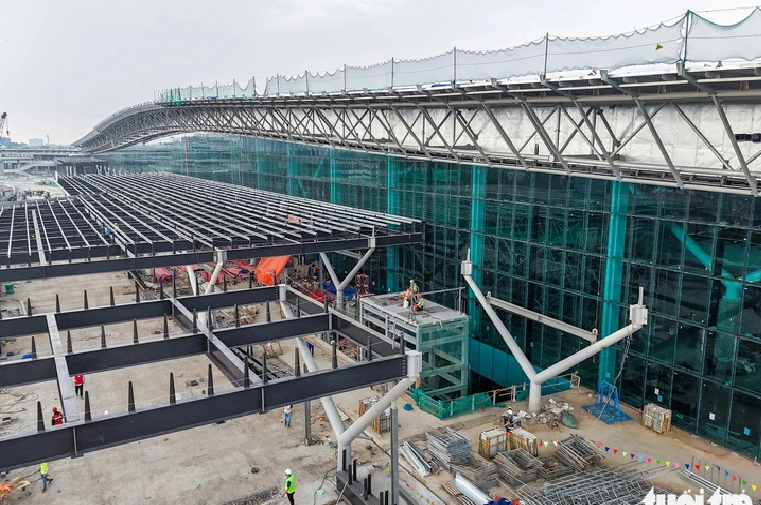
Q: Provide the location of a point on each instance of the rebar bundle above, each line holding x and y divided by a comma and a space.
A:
517, 467
596, 485
577, 453
449, 448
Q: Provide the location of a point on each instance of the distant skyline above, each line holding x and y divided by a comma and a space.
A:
64, 66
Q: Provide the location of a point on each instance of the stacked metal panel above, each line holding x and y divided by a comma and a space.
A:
449, 448
415, 458
517, 467
483, 474
577, 453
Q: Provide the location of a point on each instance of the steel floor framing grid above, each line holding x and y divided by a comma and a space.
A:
161, 220
252, 392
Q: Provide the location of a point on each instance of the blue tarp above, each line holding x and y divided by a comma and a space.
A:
349, 292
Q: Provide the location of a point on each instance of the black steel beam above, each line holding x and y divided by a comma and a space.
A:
17, 373
275, 330
107, 315
363, 336
172, 260
229, 298
23, 325
99, 360
83, 436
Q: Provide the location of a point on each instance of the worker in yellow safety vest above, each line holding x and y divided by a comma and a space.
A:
290, 485
44, 476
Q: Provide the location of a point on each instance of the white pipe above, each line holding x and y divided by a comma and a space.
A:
213, 278
331, 272
376, 410
328, 405
327, 401
470, 490
583, 354
528, 369
192, 280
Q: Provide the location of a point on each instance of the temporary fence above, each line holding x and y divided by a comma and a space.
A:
445, 409
689, 38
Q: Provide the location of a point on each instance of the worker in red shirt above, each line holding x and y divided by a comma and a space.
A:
79, 385
57, 416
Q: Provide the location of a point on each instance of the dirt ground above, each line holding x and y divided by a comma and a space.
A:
242, 460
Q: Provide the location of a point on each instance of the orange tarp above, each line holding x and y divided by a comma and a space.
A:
269, 268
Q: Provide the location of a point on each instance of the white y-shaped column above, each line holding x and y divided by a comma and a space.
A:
637, 316
340, 286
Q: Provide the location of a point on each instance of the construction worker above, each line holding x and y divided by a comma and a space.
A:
79, 385
44, 476
420, 305
57, 416
290, 485
287, 412
414, 287
509, 419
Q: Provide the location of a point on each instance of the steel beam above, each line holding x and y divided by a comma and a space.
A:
738, 152
78, 437
63, 377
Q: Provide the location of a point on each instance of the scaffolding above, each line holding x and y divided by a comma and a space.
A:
439, 333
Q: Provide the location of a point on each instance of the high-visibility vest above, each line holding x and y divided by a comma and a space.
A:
290, 485
43, 468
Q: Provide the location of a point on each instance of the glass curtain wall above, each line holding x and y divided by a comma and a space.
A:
571, 248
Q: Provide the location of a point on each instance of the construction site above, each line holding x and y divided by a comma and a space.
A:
193, 329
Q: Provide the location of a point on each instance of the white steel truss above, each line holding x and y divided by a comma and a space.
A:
690, 130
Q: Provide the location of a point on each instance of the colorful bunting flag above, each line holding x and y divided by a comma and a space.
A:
641, 459
687, 466
649, 460
668, 463
657, 461
632, 455
708, 467
726, 473
598, 445
743, 482
697, 467
734, 478
676, 465
753, 486
546, 443
615, 451
607, 449
624, 454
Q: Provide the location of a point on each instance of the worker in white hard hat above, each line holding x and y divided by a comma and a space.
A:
289, 487
508, 419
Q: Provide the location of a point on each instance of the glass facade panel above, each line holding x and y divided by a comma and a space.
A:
547, 243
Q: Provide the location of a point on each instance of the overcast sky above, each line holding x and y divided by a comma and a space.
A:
65, 65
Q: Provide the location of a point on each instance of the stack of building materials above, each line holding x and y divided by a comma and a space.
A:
657, 418
449, 448
522, 439
577, 453
415, 458
482, 473
491, 442
552, 468
517, 467
602, 484
382, 423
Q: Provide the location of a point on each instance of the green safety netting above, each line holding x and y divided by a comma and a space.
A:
454, 408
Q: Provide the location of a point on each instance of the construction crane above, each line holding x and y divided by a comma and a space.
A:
4, 125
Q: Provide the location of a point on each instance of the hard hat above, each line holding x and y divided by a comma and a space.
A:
288, 471
412, 281
55, 409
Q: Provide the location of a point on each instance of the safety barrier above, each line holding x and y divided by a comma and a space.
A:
689, 38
